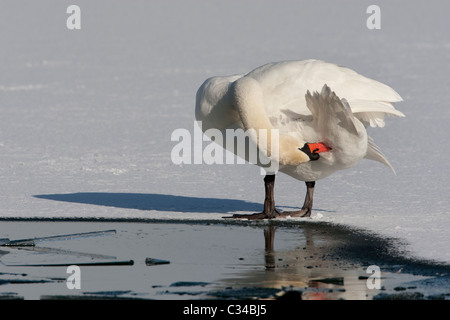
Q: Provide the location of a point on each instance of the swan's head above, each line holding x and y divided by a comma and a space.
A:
290, 151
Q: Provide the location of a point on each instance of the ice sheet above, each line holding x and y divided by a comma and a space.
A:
86, 115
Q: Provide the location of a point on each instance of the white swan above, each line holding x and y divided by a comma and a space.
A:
278, 96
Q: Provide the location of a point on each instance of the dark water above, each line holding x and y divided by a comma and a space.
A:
212, 260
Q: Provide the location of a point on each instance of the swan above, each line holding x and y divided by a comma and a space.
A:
320, 111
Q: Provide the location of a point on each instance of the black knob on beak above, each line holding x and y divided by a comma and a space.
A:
311, 153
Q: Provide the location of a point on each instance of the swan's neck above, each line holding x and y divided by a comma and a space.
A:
249, 101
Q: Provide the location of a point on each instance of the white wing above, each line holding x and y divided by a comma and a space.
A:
285, 84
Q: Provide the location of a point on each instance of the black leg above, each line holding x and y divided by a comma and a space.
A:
307, 205
269, 201
269, 212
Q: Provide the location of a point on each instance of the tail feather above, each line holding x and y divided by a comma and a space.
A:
374, 153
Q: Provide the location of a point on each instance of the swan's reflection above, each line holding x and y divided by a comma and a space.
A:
269, 238
310, 265
286, 278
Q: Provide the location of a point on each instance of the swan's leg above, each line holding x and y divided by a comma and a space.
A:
307, 205
270, 212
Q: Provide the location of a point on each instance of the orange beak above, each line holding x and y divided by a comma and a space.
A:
318, 147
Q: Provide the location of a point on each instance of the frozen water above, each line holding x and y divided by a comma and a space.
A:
86, 115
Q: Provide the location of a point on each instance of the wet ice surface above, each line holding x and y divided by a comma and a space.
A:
239, 260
